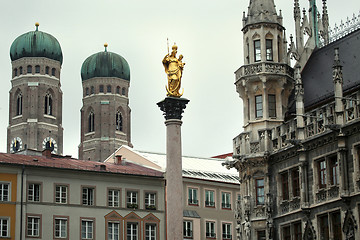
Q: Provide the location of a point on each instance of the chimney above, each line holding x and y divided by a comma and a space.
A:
46, 152
117, 159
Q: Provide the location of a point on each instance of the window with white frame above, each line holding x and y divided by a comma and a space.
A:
113, 198
210, 229
226, 231
193, 200
269, 50
87, 229
188, 229
150, 231
34, 192
61, 225
150, 201
131, 199
33, 226
4, 227
225, 200
258, 106
61, 193
88, 196
132, 231
113, 230
257, 50
4, 191
209, 198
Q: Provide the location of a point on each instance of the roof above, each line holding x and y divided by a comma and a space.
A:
317, 74
223, 156
262, 11
74, 164
193, 167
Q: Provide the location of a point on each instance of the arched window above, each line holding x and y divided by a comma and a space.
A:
29, 69
47, 70
53, 71
119, 122
108, 88
48, 104
37, 69
118, 90
91, 122
101, 88
92, 90
123, 92
15, 72
87, 91
19, 104
20, 70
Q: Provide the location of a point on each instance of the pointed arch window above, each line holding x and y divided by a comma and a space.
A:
19, 104
269, 50
123, 91
48, 104
119, 121
118, 90
47, 70
15, 72
20, 70
53, 71
91, 122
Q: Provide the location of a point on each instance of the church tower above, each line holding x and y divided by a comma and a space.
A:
264, 83
35, 102
105, 114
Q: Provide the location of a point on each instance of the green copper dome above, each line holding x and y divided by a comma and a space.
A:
36, 44
105, 64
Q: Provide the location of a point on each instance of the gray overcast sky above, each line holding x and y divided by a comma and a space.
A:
207, 32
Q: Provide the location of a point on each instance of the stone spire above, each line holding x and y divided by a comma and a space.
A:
262, 11
338, 88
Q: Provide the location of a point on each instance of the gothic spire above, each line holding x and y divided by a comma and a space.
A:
262, 11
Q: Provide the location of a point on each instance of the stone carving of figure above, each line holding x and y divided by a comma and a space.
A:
247, 229
173, 68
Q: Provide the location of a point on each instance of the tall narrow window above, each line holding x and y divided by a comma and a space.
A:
336, 225
48, 104
123, 91
334, 168
285, 185
295, 176
101, 88
87, 228
272, 105
53, 72
279, 50
131, 199
33, 226
15, 72
210, 230
108, 89
225, 203
19, 104
29, 69
257, 50
188, 229
119, 121
117, 90
193, 200
226, 231
4, 192
113, 198
37, 69
113, 231
150, 201
88, 196
297, 231
87, 91
248, 53
61, 194
92, 90
261, 235
259, 106
47, 70
150, 231
324, 227
322, 173
132, 231
91, 122
260, 194
286, 233
269, 50
209, 198
61, 228
4, 227
20, 70
34, 192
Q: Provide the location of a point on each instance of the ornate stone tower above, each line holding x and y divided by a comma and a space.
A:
35, 103
264, 83
105, 114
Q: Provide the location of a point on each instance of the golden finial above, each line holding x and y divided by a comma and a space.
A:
105, 45
37, 25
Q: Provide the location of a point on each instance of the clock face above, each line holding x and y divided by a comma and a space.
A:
50, 143
15, 145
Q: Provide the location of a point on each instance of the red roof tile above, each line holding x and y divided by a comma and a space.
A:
223, 156
74, 164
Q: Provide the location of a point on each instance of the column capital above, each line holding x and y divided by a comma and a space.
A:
173, 107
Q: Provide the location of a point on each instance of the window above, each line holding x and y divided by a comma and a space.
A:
260, 196
285, 186
92, 90
131, 199
225, 200
4, 227
269, 50
48, 104
132, 231
193, 197
297, 231
108, 90
20, 70
210, 229
53, 71
15, 72
4, 192
123, 91
88, 196
61, 194
19, 104
87, 228
272, 105
61, 226
87, 91
257, 50
209, 198
37, 69
330, 226
113, 198
150, 201
324, 227
119, 122
113, 231
150, 231
101, 88
188, 229
91, 122
34, 192
334, 170
261, 235
259, 106
295, 177
336, 225
33, 226
286, 233
226, 231
322, 173
29, 69
117, 90
47, 70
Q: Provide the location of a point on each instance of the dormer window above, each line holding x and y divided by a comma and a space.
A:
257, 50
269, 50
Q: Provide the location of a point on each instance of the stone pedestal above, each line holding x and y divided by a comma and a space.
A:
173, 108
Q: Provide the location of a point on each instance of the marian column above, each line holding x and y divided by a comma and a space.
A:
173, 106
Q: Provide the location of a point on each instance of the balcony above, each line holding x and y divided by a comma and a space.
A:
264, 68
209, 204
210, 235
226, 236
194, 202
226, 205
